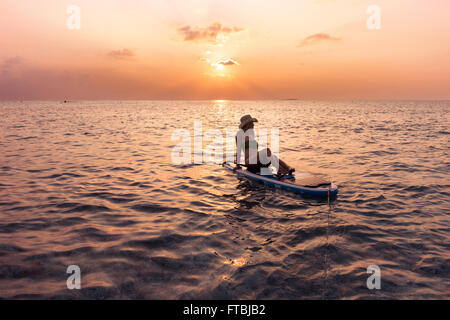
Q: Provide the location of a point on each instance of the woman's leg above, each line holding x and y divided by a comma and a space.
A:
283, 167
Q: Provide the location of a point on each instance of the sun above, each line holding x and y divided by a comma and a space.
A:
219, 69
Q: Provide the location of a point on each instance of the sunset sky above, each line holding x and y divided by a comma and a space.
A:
205, 49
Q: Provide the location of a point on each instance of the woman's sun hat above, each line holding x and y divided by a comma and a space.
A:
245, 120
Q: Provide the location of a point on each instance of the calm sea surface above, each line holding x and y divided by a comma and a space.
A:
92, 184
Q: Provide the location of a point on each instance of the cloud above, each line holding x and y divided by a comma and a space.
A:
315, 38
10, 63
228, 62
121, 54
207, 60
13, 61
221, 64
208, 34
90, 83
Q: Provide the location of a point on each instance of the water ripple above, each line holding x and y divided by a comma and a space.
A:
92, 184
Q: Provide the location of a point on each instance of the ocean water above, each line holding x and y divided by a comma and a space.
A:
92, 184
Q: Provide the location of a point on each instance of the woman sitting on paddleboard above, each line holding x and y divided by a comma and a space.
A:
254, 159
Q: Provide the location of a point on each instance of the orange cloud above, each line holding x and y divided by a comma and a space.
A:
121, 54
209, 33
315, 38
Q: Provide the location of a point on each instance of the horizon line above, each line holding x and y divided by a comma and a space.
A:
258, 99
